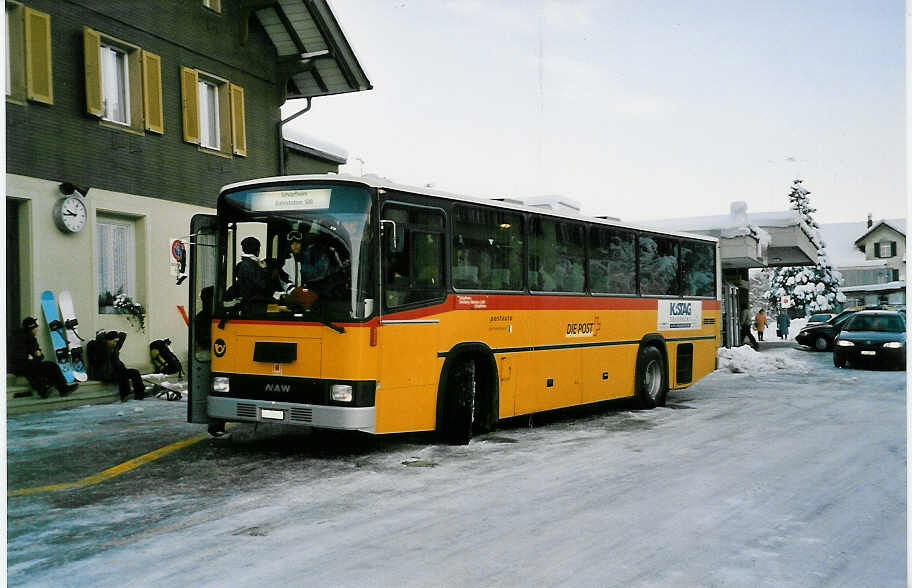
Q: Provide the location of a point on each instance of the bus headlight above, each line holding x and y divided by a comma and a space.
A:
844, 343
893, 345
341, 392
220, 384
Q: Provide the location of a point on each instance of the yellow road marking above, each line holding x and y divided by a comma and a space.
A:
114, 471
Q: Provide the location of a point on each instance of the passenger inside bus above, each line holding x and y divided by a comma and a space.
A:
255, 284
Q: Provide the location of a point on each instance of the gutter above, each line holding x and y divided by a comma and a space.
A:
281, 139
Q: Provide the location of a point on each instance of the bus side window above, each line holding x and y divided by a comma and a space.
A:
612, 261
658, 265
487, 249
413, 267
557, 253
698, 269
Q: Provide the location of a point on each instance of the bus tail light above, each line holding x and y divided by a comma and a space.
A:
342, 392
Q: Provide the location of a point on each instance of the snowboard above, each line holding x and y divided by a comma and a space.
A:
74, 341
58, 335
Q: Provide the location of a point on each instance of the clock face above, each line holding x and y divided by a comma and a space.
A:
70, 214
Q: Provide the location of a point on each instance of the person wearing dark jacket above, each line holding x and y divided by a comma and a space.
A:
252, 277
26, 359
105, 365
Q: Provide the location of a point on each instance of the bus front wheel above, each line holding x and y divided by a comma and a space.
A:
460, 403
651, 378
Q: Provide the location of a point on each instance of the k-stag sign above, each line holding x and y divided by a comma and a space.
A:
680, 314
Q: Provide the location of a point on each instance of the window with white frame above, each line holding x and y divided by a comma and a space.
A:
115, 261
115, 85
885, 249
209, 114
213, 113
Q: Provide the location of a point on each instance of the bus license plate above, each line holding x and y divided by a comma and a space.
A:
869, 353
274, 415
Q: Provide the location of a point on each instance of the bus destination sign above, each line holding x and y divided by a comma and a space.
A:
680, 314
291, 200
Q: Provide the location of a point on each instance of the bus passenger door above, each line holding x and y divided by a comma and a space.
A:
411, 282
203, 262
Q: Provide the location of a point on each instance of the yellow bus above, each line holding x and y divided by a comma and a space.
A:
382, 308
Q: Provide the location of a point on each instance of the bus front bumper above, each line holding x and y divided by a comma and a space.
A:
311, 415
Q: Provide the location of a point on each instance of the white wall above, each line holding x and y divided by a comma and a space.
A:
52, 260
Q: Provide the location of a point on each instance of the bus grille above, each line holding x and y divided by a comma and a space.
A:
246, 411
302, 414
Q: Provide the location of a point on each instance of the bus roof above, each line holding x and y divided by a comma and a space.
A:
373, 181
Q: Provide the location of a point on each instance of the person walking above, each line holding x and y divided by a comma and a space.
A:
782, 324
760, 323
746, 335
26, 359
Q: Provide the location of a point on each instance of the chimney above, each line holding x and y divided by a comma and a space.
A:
870, 222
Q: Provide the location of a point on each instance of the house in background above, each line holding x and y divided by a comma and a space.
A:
308, 155
871, 255
748, 241
124, 119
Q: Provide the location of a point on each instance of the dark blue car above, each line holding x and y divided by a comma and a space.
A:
872, 337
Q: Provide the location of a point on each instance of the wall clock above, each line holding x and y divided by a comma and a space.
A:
71, 214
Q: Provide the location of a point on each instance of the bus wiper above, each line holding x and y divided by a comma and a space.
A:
332, 326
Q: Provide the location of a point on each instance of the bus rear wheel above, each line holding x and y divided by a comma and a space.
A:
651, 378
460, 406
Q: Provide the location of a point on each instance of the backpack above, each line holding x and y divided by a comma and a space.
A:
163, 359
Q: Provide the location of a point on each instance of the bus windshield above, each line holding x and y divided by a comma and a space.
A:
295, 252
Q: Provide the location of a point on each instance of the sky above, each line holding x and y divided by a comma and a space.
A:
635, 109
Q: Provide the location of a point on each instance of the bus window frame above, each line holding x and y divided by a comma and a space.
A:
398, 200
715, 272
636, 263
525, 252
678, 293
586, 291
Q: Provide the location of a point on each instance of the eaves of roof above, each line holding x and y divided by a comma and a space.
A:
315, 57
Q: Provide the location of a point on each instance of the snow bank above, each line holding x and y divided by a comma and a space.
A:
745, 360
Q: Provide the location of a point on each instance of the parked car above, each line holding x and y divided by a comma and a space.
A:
820, 317
821, 336
876, 337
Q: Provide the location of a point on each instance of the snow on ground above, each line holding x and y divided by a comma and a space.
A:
744, 359
800, 485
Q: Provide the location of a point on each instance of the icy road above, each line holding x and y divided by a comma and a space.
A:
791, 473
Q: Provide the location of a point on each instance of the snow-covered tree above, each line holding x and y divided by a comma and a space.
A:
759, 280
813, 288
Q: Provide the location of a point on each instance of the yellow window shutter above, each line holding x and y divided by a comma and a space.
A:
238, 124
152, 92
190, 104
91, 42
38, 76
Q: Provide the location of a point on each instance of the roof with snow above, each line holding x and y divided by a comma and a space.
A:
719, 222
897, 225
304, 143
896, 285
840, 239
